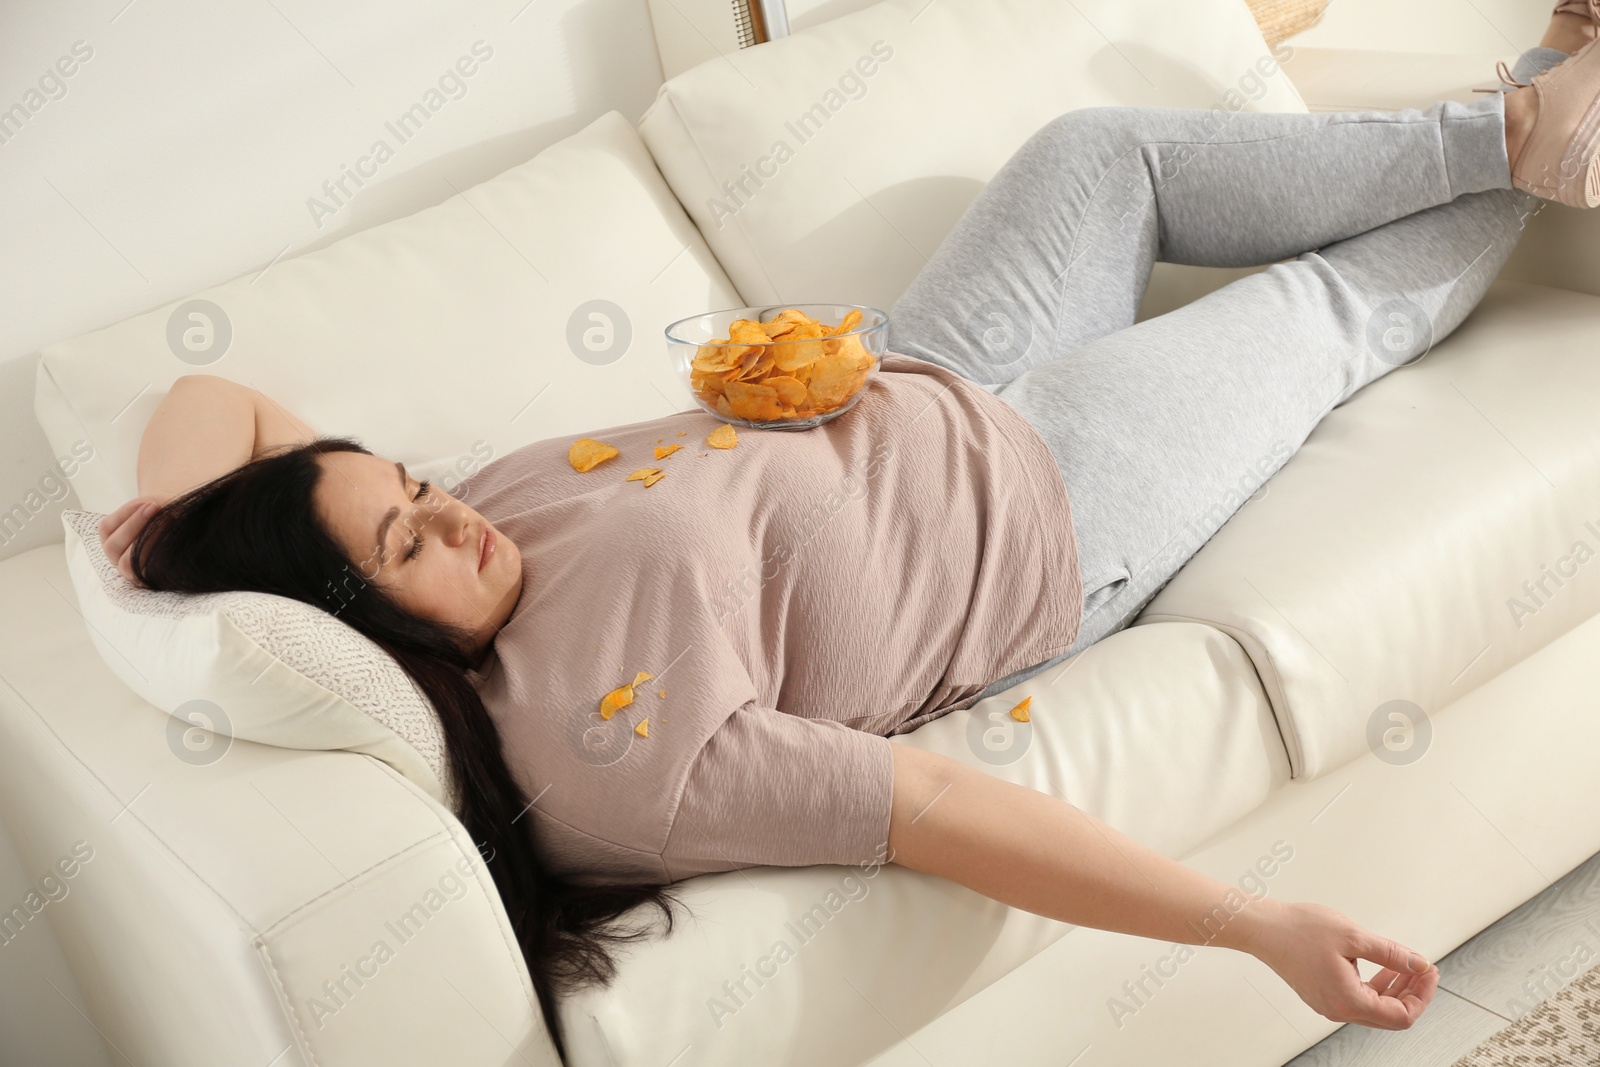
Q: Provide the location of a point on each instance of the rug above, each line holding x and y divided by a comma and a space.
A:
1564, 1031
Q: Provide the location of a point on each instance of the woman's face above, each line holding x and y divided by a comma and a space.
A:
425, 548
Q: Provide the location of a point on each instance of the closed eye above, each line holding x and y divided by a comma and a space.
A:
416, 546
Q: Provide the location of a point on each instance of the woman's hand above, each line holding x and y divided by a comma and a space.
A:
120, 527
1314, 949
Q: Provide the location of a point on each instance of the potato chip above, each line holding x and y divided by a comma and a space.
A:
833, 380
615, 701
641, 474
752, 402
790, 391
853, 348
643, 729
586, 453
758, 369
719, 356
663, 451
747, 331
652, 479
723, 436
709, 386
801, 346
661, 692
1020, 712
832, 341
621, 696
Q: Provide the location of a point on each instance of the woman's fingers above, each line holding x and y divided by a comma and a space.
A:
1398, 994
118, 531
1386, 982
111, 520
1390, 954
1397, 1010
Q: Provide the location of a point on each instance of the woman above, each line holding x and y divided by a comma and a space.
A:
1027, 471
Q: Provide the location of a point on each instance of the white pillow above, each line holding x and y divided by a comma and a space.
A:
256, 666
442, 339
913, 105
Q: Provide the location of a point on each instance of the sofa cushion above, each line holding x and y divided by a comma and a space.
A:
526, 307
1162, 731
1436, 528
254, 666
830, 164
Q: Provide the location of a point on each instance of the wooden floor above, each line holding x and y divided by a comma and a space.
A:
1502, 973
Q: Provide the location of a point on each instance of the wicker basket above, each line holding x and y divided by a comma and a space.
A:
1285, 18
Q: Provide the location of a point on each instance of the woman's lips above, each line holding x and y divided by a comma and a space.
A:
485, 547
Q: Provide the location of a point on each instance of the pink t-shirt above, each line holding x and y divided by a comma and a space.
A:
797, 599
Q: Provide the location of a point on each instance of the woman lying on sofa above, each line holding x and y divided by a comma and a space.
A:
1016, 484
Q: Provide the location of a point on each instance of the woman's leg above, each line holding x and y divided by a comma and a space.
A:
1057, 249
1164, 429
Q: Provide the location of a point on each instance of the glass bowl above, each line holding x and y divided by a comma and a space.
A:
769, 378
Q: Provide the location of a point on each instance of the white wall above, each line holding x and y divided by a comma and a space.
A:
184, 150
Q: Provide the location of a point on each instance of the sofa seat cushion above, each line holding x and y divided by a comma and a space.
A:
1439, 526
1163, 731
830, 164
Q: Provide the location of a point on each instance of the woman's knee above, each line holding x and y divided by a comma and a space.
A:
1105, 125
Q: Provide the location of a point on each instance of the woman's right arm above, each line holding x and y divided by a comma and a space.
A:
1032, 851
203, 428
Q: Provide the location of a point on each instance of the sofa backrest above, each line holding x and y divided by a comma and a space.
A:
526, 307
830, 164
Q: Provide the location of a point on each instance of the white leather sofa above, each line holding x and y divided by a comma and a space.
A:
1245, 724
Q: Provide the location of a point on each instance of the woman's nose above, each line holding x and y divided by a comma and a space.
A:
455, 523
451, 521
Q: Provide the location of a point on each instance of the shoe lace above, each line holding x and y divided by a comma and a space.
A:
1504, 71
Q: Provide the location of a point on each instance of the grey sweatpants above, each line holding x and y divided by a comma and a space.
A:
1389, 225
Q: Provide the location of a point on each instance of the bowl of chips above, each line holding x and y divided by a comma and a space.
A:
782, 367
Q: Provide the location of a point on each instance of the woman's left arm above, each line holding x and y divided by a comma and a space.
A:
1032, 851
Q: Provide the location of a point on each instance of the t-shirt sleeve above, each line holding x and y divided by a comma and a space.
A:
770, 788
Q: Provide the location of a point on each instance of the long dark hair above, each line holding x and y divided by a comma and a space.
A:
255, 529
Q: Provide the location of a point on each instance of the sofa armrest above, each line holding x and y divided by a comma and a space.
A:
1558, 247
267, 906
